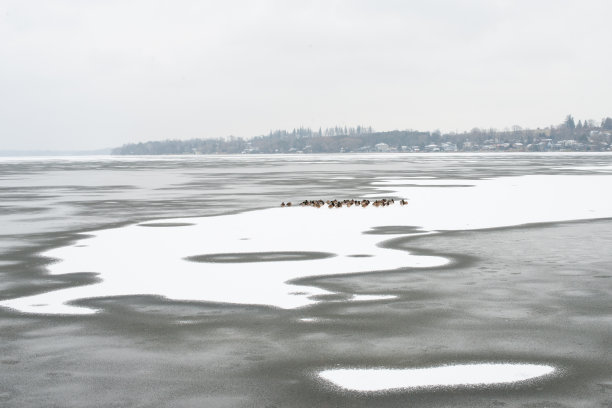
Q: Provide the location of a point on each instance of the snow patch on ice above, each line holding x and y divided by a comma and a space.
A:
383, 379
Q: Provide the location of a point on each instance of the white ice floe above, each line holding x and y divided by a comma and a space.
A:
384, 379
504, 201
257, 257
363, 298
142, 260
588, 168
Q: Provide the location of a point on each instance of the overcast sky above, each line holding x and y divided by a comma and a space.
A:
95, 74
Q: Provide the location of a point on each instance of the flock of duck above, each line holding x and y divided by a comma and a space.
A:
345, 203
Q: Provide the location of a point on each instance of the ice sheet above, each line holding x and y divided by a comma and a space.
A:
257, 257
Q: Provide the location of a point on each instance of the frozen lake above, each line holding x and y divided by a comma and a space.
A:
180, 280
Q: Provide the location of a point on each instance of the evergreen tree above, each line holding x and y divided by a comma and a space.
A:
569, 122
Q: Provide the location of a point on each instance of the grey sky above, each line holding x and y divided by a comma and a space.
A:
92, 74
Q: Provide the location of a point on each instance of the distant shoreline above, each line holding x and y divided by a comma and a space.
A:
44, 153
462, 153
564, 137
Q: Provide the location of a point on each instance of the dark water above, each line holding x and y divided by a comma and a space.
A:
523, 294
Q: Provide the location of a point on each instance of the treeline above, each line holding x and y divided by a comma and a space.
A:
576, 135
278, 142
333, 131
